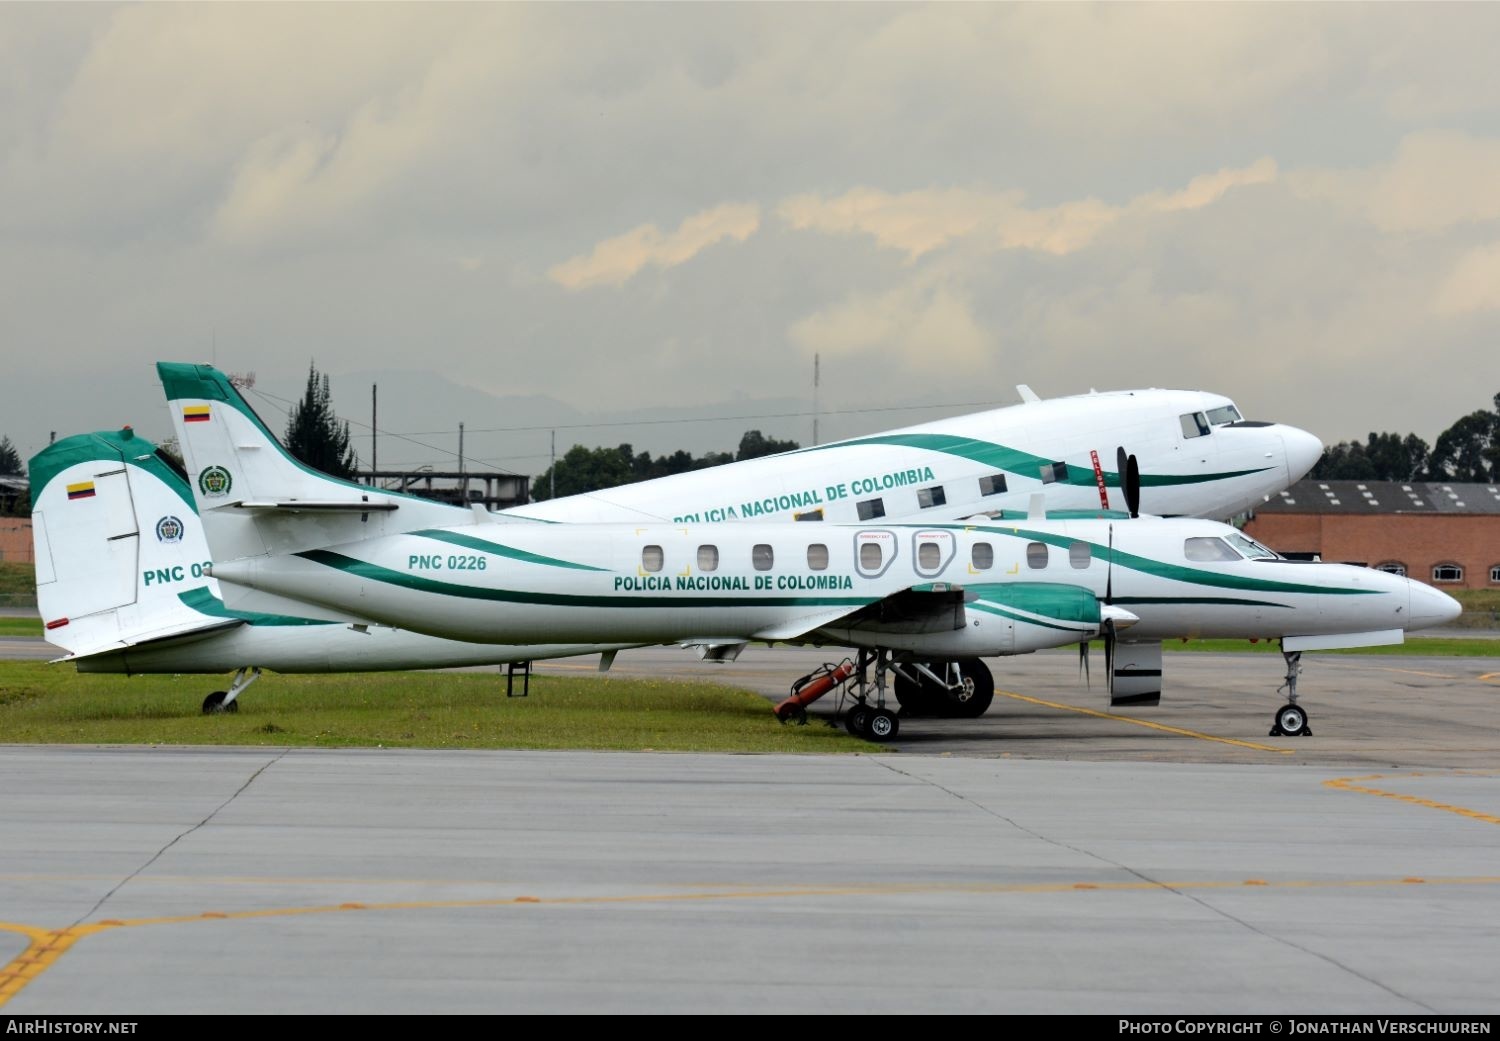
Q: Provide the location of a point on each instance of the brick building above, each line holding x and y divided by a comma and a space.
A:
1446, 534
15, 538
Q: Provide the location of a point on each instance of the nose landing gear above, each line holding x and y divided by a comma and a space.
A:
1290, 719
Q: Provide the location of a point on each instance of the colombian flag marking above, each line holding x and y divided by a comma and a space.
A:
83, 490
195, 414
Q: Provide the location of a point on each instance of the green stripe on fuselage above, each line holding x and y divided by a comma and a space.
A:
204, 602
469, 542
376, 573
1161, 569
1023, 464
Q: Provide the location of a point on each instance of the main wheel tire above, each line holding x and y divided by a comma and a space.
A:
1291, 721
882, 725
213, 705
975, 694
916, 696
857, 720
971, 699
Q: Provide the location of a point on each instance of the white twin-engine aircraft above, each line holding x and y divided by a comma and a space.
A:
287, 540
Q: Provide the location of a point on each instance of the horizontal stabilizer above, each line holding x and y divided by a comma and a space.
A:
319, 506
184, 632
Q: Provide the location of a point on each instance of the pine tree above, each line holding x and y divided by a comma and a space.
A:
10, 459
314, 433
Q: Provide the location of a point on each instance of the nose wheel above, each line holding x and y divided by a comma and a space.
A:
1291, 719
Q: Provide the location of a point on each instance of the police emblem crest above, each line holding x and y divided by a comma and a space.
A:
214, 481
169, 529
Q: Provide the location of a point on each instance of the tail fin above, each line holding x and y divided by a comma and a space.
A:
117, 544
254, 497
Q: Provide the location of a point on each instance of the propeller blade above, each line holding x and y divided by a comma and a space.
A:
1109, 570
1109, 654
1132, 479
1083, 664
1121, 461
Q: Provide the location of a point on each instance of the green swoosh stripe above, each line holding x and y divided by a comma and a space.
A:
469, 542
1173, 572
375, 573
204, 602
1219, 601
988, 608
1023, 464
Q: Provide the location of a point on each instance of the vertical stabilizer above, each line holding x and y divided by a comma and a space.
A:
116, 543
243, 480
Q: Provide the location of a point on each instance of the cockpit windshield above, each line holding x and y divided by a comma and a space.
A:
1224, 415
1203, 549
1251, 549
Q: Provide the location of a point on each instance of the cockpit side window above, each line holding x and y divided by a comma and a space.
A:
1252, 549
1224, 415
1194, 424
1203, 550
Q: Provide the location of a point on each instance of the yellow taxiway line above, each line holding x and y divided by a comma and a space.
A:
48, 945
1144, 723
1351, 784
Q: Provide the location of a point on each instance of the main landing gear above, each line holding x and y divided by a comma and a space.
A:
872, 722
224, 700
1290, 719
960, 689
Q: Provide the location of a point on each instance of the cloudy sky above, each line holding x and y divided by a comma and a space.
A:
627, 207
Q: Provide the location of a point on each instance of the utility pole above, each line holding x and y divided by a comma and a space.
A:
464, 481
815, 400
552, 472
374, 430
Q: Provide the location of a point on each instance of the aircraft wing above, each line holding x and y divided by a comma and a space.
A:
927, 608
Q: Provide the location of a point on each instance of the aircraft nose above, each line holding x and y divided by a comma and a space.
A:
1431, 607
1303, 450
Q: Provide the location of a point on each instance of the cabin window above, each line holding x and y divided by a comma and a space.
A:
994, 484
929, 556
982, 556
869, 509
1205, 550
1054, 472
817, 557
1036, 555
708, 558
927, 498
810, 515
1447, 573
1194, 424
1079, 554
1392, 567
1224, 414
762, 556
651, 558
870, 556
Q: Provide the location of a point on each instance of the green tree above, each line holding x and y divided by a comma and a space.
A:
314, 433
755, 444
1469, 450
593, 469
585, 470
1383, 457
10, 459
